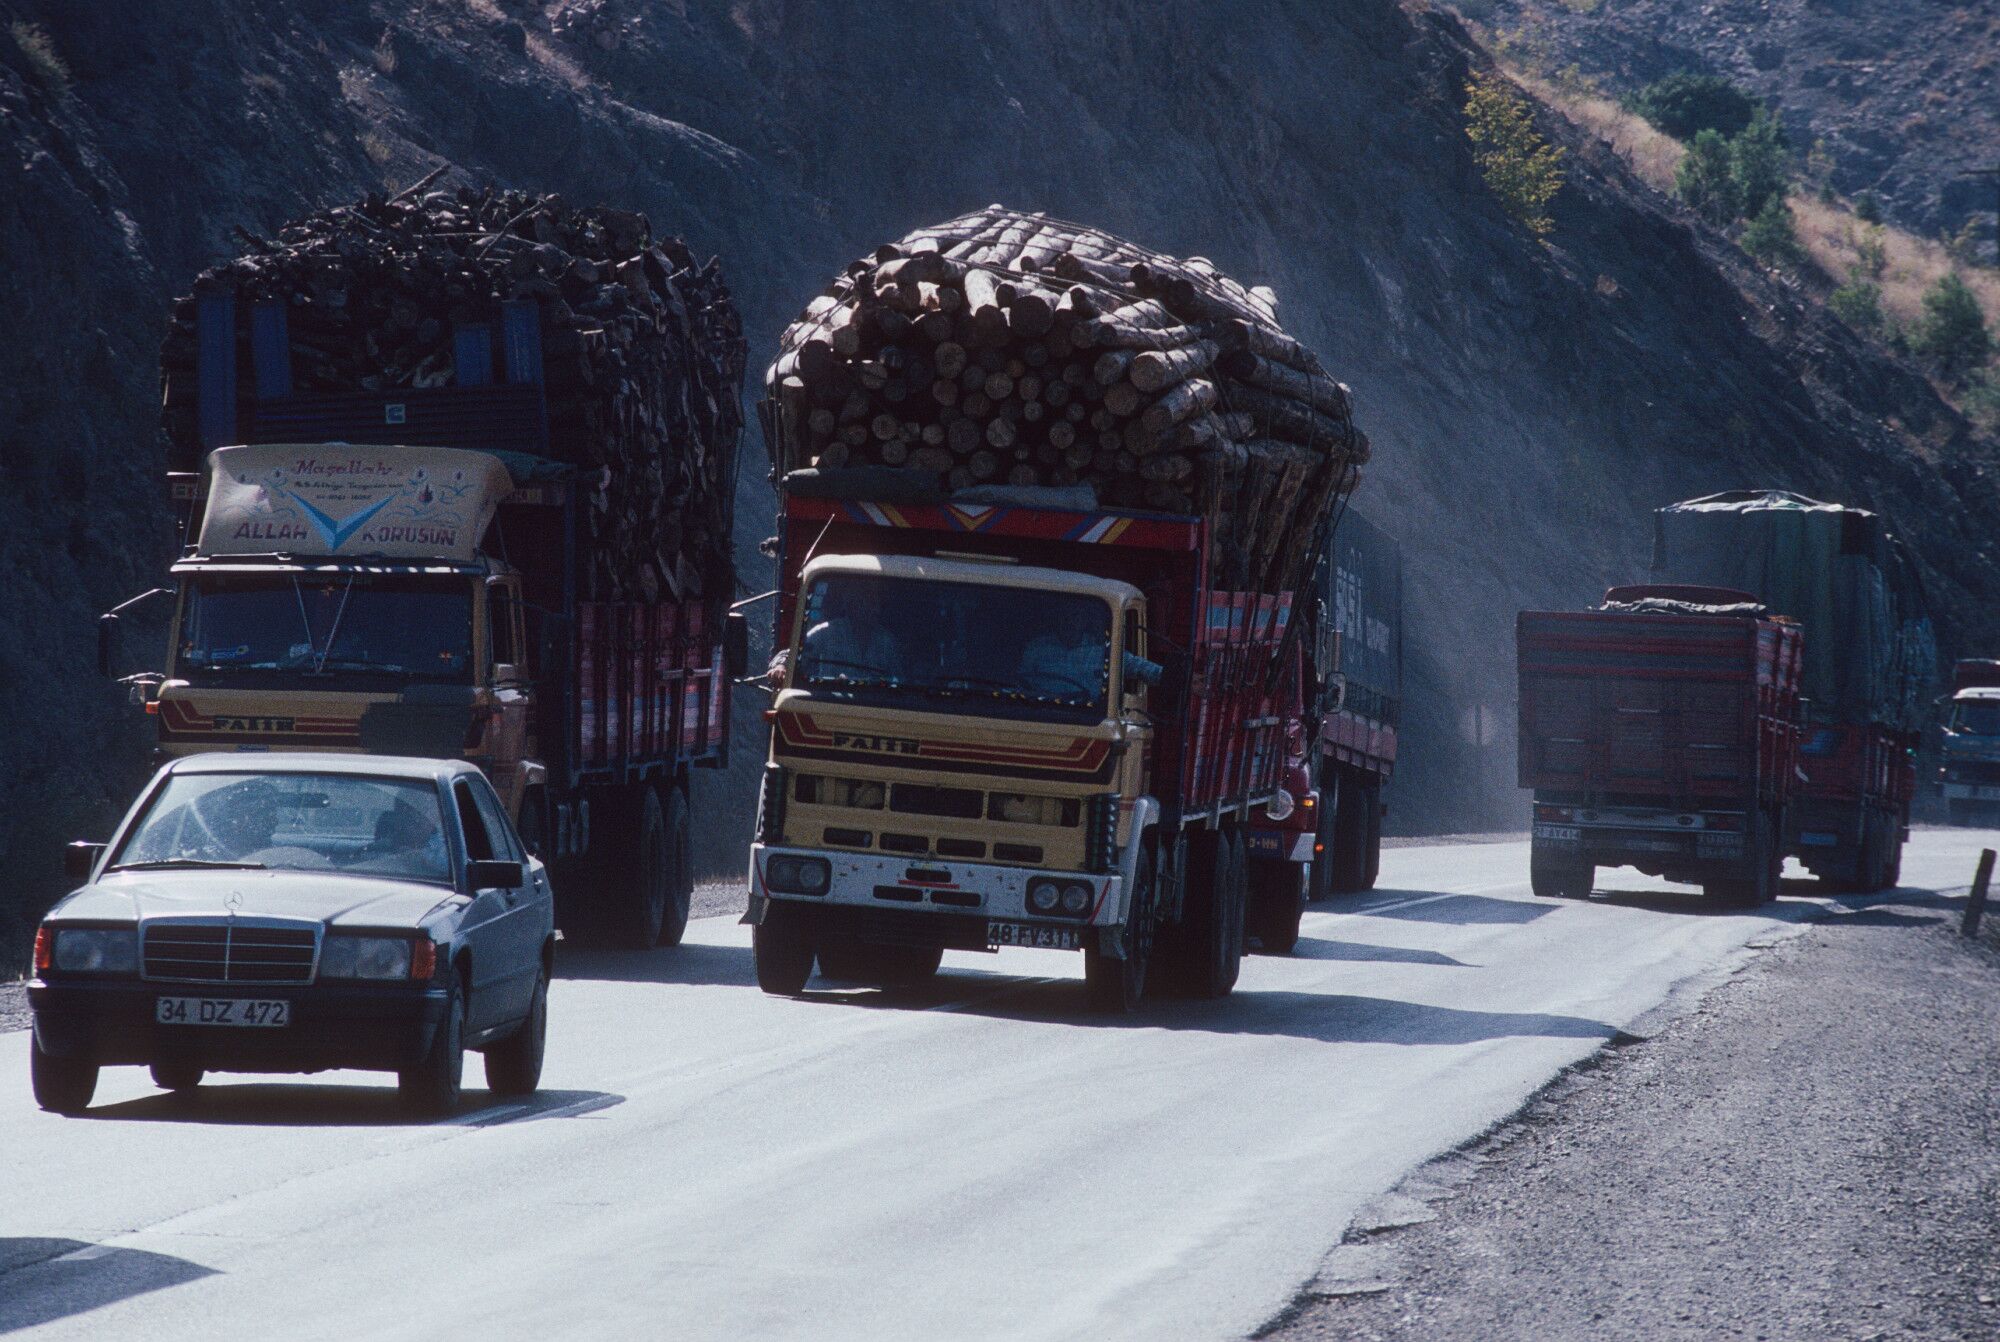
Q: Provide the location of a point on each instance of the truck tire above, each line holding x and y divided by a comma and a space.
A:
680, 866
432, 1087
1319, 879
1207, 946
783, 952
1552, 877
1767, 857
1372, 863
1277, 900
1117, 986
61, 1085
1349, 849
639, 865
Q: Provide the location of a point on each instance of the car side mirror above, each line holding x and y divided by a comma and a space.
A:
735, 644
107, 644
80, 857
491, 874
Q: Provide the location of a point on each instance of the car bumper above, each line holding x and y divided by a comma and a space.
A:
375, 1028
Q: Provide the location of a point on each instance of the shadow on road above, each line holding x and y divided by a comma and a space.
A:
259, 1103
727, 966
1316, 948
72, 1276
1459, 910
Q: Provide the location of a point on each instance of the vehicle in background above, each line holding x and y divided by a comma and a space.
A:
294, 913
1969, 774
1659, 731
346, 591
1003, 725
1870, 668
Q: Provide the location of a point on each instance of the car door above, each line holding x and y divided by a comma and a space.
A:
495, 925
532, 919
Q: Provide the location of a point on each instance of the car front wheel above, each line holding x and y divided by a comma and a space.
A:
514, 1065
62, 1085
431, 1087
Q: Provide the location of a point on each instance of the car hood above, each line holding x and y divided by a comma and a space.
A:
334, 898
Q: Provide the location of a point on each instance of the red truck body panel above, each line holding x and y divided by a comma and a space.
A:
650, 685
1222, 715
1677, 709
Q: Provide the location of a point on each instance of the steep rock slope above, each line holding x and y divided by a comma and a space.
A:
1528, 404
1902, 95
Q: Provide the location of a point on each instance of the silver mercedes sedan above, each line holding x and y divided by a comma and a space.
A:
295, 913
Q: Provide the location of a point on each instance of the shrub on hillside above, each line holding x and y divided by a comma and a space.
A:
1858, 303
1684, 105
1771, 238
1868, 208
1982, 398
1520, 167
1757, 165
1951, 333
1704, 179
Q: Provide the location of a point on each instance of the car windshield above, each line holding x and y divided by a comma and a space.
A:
1977, 718
292, 822
955, 647
410, 627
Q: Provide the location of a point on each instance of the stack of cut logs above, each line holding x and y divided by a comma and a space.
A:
1013, 350
643, 351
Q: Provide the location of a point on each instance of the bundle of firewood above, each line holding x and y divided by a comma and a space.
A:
643, 351
1016, 350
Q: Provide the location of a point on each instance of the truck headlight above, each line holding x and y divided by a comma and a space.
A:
791, 874
365, 958
97, 950
1044, 896
1076, 899
1280, 806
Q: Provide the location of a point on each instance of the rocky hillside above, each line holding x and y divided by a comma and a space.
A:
1529, 403
1903, 97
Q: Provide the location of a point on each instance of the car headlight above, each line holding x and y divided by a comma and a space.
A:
97, 950
365, 958
791, 874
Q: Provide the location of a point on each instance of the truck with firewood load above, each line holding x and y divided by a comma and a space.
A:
1869, 675
1659, 731
1969, 767
460, 566
1049, 506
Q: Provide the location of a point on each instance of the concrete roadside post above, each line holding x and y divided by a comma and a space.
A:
1976, 905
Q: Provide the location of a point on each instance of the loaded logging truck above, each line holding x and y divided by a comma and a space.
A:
404, 572
1969, 774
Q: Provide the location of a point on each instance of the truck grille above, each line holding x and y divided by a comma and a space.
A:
229, 950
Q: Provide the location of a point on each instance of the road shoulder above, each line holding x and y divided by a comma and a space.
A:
13, 1007
1813, 1152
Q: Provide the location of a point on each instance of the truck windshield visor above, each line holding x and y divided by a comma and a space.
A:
409, 627
955, 647
292, 822
1979, 718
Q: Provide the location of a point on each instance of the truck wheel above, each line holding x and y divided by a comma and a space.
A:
643, 890
1319, 880
1117, 986
1959, 812
1892, 875
61, 1085
1349, 849
1767, 857
1205, 945
680, 867
177, 1076
783, 952
1277, 899
432, 1086
514, 1065
1552, 877
1371, 862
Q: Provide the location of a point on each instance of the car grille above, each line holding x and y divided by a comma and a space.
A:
230, 950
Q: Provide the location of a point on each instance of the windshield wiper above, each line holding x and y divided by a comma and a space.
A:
188, 864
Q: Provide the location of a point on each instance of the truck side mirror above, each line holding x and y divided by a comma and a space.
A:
1139, 670
506, 673
107, 644
80, 857
735, 644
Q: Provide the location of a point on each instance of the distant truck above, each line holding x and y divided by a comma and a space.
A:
1004, 725
1969, 775
1661, 732
1870, 669
346, 590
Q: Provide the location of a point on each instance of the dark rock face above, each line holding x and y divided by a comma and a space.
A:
1529, 405
1903, 95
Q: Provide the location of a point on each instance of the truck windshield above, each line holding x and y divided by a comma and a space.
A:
415, 628
1977, 718
292, 822
955, 647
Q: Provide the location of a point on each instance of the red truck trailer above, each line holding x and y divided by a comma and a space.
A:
940, 777
1661, 732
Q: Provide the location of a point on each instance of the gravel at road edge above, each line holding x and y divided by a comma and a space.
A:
13, 1007
1812, 1153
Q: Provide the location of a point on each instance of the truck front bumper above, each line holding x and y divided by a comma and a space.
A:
966, 895
383, 1027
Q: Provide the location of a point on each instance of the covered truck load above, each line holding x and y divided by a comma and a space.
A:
1659, 731
1870, 668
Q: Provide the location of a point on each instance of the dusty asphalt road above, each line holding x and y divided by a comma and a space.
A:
977, 1160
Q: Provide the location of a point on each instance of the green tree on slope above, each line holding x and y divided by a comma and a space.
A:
1952, 332
1519, 167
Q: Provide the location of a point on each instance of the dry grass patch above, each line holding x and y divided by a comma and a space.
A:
1654, 155
1841, 245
